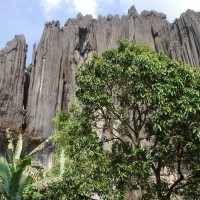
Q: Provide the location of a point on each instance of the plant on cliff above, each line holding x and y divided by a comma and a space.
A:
146, 109
28, 69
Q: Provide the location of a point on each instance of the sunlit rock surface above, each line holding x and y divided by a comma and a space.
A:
12, 81
62, 50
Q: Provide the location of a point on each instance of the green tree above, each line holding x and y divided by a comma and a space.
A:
150, 109
86, 170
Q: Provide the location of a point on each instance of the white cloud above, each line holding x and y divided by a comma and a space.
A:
48, 5
172, 8
85, 7
82, 6
184, 5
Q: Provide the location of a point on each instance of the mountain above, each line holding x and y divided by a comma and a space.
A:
31, 103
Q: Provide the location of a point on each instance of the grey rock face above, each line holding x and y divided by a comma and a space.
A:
185, 37
45, 80
62, 50
12, 76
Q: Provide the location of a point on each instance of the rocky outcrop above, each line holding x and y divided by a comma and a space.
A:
12, 78
44, 93
63, 49
181, 40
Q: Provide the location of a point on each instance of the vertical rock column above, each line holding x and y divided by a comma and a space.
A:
185, 38
12, 74
62, 50
44, 82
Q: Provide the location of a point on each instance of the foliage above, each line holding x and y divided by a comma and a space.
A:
28, 69
13, 176
40, 178
22, 178
150, 109
38, 183
15, 152
5, 125
135, 134
13, 180
86, 165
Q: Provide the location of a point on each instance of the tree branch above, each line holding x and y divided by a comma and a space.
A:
181, 176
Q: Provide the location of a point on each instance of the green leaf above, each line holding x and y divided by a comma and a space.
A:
62, 162
5, 175
21, 185
17, 180
10, 140
18, 148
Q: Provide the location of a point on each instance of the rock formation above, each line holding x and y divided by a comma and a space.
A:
12, 80
62, 50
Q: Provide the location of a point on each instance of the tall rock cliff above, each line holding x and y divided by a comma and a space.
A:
12, 79
44, 93
63, 49
181, 40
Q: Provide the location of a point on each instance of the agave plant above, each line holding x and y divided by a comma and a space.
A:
13, 175
21, 177
13, 180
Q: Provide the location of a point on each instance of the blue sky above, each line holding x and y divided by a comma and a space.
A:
29, 16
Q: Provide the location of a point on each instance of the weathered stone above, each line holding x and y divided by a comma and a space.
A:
185, 38
132, 11
12, 78
45, 78
62, 50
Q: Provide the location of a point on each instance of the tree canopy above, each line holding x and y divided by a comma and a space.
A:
145, 109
